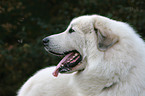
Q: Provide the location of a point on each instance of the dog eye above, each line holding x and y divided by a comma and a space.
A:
71, 30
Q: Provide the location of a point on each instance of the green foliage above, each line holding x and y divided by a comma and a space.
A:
24, 23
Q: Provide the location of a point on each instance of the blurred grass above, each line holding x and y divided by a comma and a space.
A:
24, 23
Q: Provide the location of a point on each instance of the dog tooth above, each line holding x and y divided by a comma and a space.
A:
76, 54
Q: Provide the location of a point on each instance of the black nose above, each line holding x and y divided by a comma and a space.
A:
45, 40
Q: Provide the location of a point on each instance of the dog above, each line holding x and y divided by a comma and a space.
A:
102, 57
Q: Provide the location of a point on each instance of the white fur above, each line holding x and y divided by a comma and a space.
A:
117, 71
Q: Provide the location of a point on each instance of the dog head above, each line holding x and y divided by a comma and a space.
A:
84, 37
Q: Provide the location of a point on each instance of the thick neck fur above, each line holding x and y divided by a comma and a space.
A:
113, 71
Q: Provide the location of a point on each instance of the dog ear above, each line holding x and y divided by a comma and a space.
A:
105, 41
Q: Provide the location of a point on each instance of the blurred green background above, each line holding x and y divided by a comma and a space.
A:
24, 23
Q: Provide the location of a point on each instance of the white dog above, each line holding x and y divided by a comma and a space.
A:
105, 58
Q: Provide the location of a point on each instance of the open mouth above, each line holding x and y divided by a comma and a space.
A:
68, 63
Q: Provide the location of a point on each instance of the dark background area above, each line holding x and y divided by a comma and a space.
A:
24, 23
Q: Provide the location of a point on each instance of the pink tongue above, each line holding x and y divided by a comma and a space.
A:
55, 73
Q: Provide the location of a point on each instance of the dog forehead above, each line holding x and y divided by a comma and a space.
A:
82, 22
